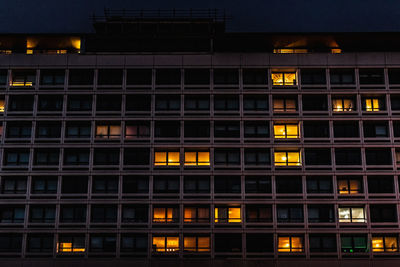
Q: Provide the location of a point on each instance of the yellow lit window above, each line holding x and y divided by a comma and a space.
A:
384, 244
351, 215
22, 79
197, 158
196, 214
230, 215
284, 78
371, 104
286, 131
108, 131
336, 51
1, 105
290, 244
349, 186
284, 105
340, 105
196, 243
165, 243
166, 158
164, 215
7, 52
290, 51
287, 158
67, 247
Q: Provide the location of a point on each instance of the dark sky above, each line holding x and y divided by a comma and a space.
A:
37, 16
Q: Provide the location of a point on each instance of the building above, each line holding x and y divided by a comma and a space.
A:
162, 140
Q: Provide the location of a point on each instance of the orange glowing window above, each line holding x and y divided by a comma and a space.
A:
336, 50
287, 158
165, 244
285, 105
340, 105
165, 215
196, 215
1, 105
283, 78
227, 215
349, 186
108, 131
196, 243
71, 245
286, 131
197, 158
290, 51
23, 78
372, 104
290, 244
384, 244
166, 158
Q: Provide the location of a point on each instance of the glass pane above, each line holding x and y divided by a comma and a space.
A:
391, 244
344, 215
160, 158
159, 244
357, 214
294, 159
173, 158
203, 244
234, 215
277, 78
172, 243
190, 158
203, 158
377, 244
189, 243
284, 244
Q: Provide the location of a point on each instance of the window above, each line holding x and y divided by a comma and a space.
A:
46, 129
375, 129
371, 76
13, 185
383, 213
319, 185
74, 185
313, 76
105, 184
106, 156
134, 130
320, 214
71, 244
76, 156
315, 102
322, 243
228, 242
20, 129
42, 214
356, 243
197, 103
255, 103
394, 75
256, 156
79, 103
351, 215
227, 215
77, 129
134, 243
290, 244
140, 103
385, 244
287, 158
168, 103
226, 76
166, 184
16, 157
196, 184
395, 102
20, 103
378, 156
256, 129
109, 77
2, 104
316, 129
108, 102
23, 78
259, 243
50, 103
346, 129
258, 213
227, 184
317, 156
136, 156
46, 156
12, 214
348, 156
196, 214
168, 76
196, 243
343, 104
197, 129
290, 214
197, 158
373, 104
166, 158
396, 128
348, 185
165, 244
226, 156
197, 76
380, 184
283, 78
10, 242
258, 184
255, 76
52, 77
289, 184
108, 131
342, 76
3, 76
134, 214
40, 243
81, 76
286, 130
285, 105
44, 185
167, 129
139, 77
226, 103
135, 184
227, 129
72, 213
103, 243
104, 213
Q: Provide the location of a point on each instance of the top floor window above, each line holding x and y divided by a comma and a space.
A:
109, 77
226, 76
255, 76
197, 76
81, 76
283, 78
52, 77
342, 76
23, 78
313, 76
371, 76
139, 77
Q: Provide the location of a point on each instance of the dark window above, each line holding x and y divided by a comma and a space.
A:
383, 213
226, 76
16, 157
394, 76
74, 185
229, 129
290, 214
285, 104
380, 184
197, 76
136, 156
256, 129
108, 103
10, 242
322, 243
135, 184
106, 156
105, 184
258, 184
134, 243
320, 214
288, 185
79, 103
109, 77
40, 243
73, 213
255, 76
227, 184
259, 243
168, 103
356, 243
378, 156
168, 76
104, 213
44, 185
226, 103
167, 129
77, 129
195, 102
226, 156
50, 103
46, 156
52, 77
42, 214
20, 103
255, 103
13, 185
395, 102
3, 77
371, 76
228, 242
81, 76
375, 129
166, 184
138, 102
76, 156
348, 156
316, 129
137, 129
197, 129
346, 129
313, 76
342, 76
12, 214
256, 156
315, 103
196, 184
318, 156
102, 243
20, 129
258, 213
134, 214
319, 185
139, 77
45, 129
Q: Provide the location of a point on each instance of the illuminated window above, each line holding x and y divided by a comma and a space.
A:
351, 244
352, 215
71, 244
1, 105
290, 51
165, 244
166, 158
227, 215
196, 215
336, 50
108, 131
371, 104
284, 78
23, 78
349, 186
285, 105
287, 158
165, 215
196, 243
197, 158
290, 244
340, 105
286, 131
384, 244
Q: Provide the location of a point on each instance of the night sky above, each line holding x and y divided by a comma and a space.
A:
23, 16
